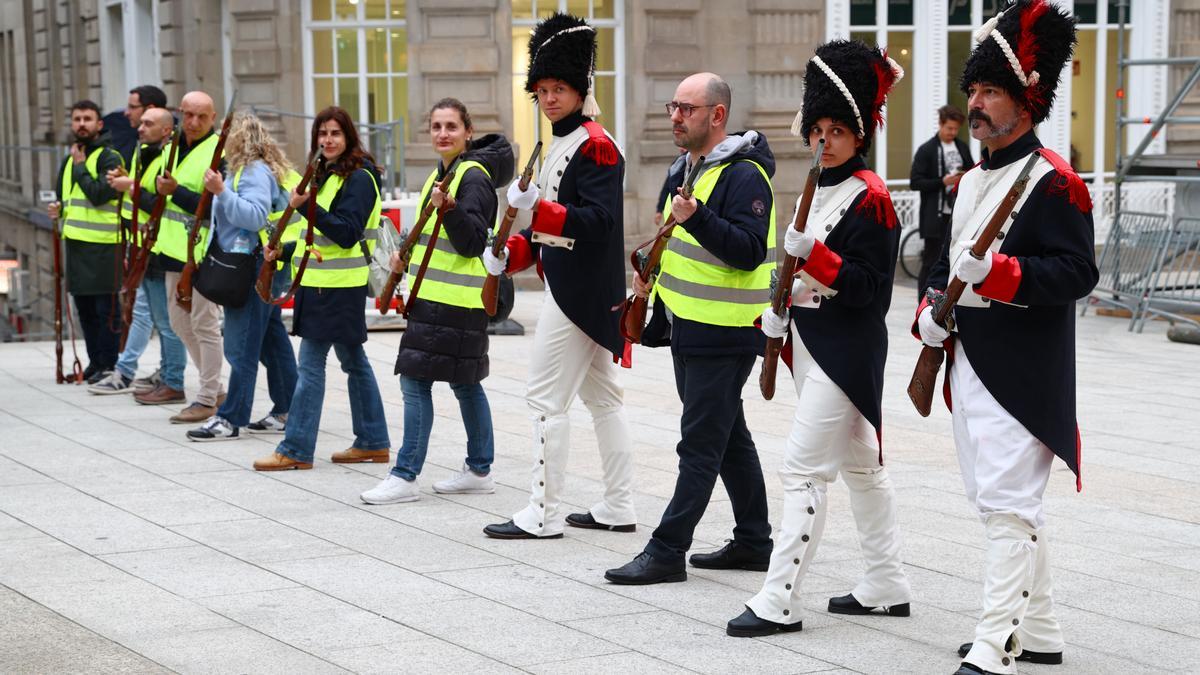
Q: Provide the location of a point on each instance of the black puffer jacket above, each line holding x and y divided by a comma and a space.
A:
443, 342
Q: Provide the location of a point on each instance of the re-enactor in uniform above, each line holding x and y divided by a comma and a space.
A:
1011, 378
837, 348
577, 242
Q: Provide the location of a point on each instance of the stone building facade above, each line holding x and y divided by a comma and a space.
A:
389, 60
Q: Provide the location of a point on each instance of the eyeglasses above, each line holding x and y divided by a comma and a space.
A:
134, 106
685, 109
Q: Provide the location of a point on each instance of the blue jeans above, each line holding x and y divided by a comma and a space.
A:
254, 332
366, 406
174, 354
418, 422
139, 336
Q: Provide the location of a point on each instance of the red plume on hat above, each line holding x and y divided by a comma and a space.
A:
1023, 49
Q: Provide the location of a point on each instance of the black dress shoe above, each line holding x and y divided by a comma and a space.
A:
970, 669
732, 556
644, 570
747, 624
848, 605
510, 530
1047, 658
586, 521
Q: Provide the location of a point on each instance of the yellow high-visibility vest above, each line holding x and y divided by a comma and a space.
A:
81, 219
450, 278
189, 173
698, 286
340, 267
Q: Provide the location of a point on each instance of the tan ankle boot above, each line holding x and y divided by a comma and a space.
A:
358, 455
278, 462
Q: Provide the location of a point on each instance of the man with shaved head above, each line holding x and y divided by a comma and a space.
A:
200, 329
154, 129
714, 282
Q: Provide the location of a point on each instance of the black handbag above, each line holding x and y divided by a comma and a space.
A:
226, 278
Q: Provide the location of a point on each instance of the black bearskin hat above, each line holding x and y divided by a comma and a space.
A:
563, 47
1039, 38
842, 70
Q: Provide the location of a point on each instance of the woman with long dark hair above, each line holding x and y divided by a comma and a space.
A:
331, 298
446, 336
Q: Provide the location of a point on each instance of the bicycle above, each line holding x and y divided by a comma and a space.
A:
911, 247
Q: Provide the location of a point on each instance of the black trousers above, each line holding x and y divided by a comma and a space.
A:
100, 323
715, 441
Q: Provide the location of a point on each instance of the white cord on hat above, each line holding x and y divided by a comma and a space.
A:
590, 107
989, 29
845, 92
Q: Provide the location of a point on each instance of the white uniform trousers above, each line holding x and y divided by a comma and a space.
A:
566, 363
830, 436
1005, 470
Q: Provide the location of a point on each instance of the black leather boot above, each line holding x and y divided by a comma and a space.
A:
644, 570
747, 624
586, 521
847, 604
732, 556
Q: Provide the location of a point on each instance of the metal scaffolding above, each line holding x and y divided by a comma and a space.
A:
1149, 264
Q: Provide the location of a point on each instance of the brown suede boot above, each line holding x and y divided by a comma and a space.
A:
160, 395
278, 462
357, 456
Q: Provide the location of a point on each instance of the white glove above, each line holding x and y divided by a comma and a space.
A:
968, 268
798, 286
522, 200
495, 266
931, 333
775, 326
799, 244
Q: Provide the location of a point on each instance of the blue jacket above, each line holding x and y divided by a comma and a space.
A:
238, 214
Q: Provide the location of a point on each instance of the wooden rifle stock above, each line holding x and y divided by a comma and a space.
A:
924, 377
141, 257
782, 291
491, 285
267, 271
310, 214
406, 247
447, 205
183, 290
633, 312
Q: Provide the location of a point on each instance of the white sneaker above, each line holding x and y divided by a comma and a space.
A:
215, 429
271, 424
466, 482
115, 383
393, 490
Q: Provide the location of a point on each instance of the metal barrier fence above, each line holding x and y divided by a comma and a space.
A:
1130, 261
1175, 285
384, 141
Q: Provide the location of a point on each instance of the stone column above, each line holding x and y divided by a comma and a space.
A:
456, 48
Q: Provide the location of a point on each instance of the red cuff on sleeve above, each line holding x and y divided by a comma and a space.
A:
1003, 281
823, 264
520, 255
549, 217
916, 332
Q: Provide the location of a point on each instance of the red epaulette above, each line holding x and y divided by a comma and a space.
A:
599, 147
878, 200
1067, 181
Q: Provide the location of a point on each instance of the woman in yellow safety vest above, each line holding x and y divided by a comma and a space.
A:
446, 337
332, 297
242, 205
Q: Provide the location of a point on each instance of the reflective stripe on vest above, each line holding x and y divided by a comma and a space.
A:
81, 220
152, 172
340, 267
450, 278
189, 173
698, 286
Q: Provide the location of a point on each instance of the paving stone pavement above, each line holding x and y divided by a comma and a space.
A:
126, 548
